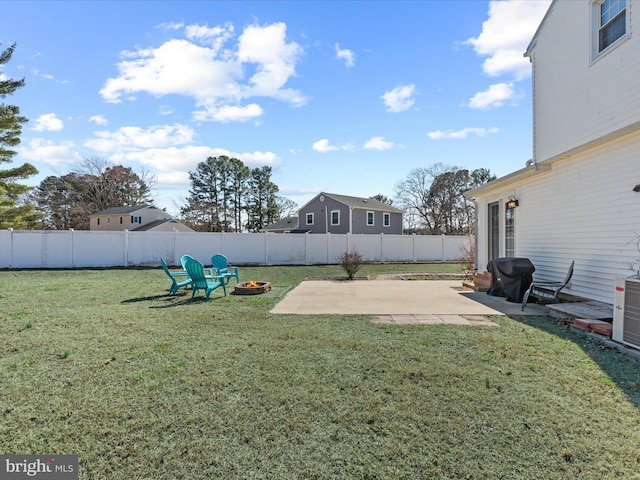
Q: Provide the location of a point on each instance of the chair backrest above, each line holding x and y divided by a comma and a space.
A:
569, 274
165, 267
196, 272
219, 262
183, 260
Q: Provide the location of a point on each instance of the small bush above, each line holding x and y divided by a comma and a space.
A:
350, 262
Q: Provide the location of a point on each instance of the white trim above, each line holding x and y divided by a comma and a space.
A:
373, 218
306, 218
386, 219
331, 213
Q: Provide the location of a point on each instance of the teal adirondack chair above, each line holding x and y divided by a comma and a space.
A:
200, 280
219, 262
178, 279
183, 262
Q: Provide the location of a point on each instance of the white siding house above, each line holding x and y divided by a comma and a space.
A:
576, 197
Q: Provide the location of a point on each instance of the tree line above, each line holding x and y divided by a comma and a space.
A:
225, 194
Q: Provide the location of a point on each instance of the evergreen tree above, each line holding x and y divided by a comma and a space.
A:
262, 205
13, 213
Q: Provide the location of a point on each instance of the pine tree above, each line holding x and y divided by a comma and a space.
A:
12, 213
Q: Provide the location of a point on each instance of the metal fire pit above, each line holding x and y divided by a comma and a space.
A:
252, 288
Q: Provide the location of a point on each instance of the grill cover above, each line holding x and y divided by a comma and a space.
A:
511, 277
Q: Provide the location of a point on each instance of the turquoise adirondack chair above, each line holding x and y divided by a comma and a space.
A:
183, 262
178, 279
219, 263
201, 281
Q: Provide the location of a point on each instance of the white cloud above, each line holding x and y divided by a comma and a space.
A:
494, 97
506, 34
345, 54
462, 134
182, 159
41, 150
378, 143
228, 113
399, 99
98, 120
323, 146
48, 123
259, 65
133, 138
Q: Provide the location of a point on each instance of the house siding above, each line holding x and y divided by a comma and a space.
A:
353, 219
147, 215
577, 100
582, 210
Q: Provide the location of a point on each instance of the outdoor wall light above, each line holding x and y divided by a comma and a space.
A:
512, 202
636, 188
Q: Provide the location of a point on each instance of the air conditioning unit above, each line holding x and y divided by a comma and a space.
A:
626, 312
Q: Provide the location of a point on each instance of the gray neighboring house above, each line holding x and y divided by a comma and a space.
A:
331, 213
141, 218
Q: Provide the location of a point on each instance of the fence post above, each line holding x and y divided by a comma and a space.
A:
10, 247
70, 252
125, 246
443, 239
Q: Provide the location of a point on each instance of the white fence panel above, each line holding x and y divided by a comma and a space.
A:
147, 248
248, 248
337, 245
6, 241
201, 246
428, 249
398, 248
79, 249
27, 249
317, 249
286, 251
98, 249
369, 246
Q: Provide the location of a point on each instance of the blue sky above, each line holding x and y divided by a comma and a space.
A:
341, 97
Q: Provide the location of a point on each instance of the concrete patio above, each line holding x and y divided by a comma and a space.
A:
401, 302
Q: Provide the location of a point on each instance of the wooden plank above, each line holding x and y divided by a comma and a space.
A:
592, 309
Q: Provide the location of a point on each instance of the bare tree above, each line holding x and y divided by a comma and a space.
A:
435, 196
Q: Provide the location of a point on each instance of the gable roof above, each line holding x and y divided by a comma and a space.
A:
358, 202
157, 223
286, 223
124, 210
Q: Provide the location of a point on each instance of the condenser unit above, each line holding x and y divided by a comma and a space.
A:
626, 312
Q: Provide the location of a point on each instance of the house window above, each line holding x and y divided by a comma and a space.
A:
120, 220
108, 219
309, 218
97, 221
133, 219
386, 219
370, 218
609, 18
335, 217
494, 230
613, 22
509, 232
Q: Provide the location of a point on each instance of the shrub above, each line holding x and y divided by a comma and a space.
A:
350, 262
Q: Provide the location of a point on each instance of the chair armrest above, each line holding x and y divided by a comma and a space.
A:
547, 284
179, 274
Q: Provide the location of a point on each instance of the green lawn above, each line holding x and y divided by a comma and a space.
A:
103, 364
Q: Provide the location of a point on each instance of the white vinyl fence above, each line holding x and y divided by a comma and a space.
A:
86, 249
